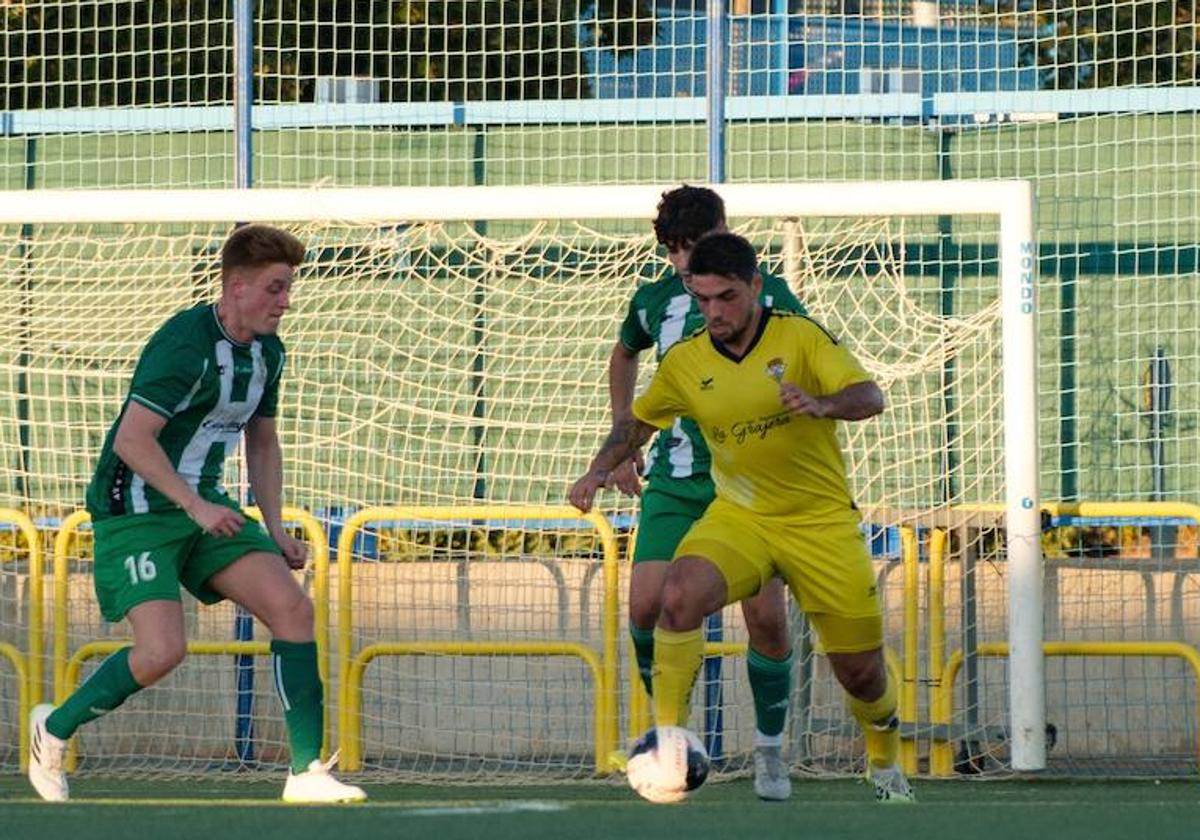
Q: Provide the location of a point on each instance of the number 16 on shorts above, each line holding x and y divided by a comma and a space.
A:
141, 568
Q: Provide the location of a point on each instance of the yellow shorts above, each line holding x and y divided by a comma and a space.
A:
826, 566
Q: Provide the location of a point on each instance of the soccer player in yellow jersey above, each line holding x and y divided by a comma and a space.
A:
766, 389
679, 487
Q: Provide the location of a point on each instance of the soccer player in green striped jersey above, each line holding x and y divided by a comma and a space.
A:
162, 519
679, 487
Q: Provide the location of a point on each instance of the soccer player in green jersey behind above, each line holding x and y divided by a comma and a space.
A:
161, 517
678, 485
766, 388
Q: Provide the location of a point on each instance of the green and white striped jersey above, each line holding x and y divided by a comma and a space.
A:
207, 386
660, 314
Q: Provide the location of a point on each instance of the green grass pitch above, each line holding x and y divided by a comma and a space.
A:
956, 810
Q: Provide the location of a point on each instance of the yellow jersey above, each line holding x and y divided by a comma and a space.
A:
765, 458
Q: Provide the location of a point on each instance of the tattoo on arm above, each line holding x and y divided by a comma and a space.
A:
627, 437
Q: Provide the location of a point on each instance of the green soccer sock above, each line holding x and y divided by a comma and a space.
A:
106, 689
643, 650
771, 685
299, 685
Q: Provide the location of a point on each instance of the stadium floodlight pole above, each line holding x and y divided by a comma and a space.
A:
1158, 405
715, 90
778, 24
243, 176
243, 92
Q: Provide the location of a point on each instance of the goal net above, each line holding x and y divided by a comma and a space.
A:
445, 382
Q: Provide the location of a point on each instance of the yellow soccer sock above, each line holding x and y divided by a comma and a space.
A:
676, 662
880, 726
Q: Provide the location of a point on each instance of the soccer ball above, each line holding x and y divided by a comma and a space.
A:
666, 764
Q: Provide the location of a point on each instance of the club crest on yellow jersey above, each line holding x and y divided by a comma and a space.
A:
775, 369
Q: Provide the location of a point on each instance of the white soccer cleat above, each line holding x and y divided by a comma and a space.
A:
46, 754
317, 784
890, 785
771, 778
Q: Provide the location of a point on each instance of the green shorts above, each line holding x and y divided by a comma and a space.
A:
669, 507
146, 556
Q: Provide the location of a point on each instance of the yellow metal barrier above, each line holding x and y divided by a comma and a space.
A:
349, 724
23, 702
60, 634
64, 680
907, 711
351, 739
29, 669
944, 709
93, 649
941, 754
1158, 510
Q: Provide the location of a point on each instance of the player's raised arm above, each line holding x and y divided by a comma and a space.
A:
626, 438
854, 402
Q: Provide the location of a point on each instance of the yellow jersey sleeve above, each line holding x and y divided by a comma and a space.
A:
662, 402
830, 367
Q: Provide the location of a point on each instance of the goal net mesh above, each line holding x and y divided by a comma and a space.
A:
452, 364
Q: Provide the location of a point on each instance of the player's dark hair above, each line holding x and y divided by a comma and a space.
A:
685, 214
725, 254
253, 246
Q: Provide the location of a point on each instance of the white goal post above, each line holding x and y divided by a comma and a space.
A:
1008, 204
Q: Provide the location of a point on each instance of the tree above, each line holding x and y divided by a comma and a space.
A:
70, 55
1101, 43
176, 52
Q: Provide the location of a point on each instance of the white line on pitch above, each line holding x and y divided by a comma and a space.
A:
534, 806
